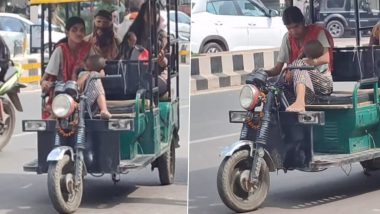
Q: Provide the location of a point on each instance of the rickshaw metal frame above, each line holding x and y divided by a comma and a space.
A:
147, 135
171, 47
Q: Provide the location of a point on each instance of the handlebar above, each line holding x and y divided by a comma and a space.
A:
300, 68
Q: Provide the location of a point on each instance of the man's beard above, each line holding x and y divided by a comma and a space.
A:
106, 38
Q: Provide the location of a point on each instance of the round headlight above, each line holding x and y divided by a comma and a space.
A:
249, 97
63, 105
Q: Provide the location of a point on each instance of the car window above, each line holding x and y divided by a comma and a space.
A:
11, 24
210, 8
335, 3
226, 8
181, 18
250, 9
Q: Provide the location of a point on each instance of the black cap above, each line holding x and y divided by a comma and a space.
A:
105, 14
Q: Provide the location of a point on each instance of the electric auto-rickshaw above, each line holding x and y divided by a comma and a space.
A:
143, 129
334, 131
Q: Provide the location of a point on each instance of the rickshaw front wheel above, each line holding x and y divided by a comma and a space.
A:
65, 197
233, 176
166, 165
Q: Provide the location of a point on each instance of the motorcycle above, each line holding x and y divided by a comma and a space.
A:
9, 86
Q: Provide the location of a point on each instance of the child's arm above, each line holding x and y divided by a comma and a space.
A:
82, 79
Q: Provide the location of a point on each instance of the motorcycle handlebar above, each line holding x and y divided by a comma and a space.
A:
300, 68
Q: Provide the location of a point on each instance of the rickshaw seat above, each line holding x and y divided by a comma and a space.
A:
123, 106
342, 100
133, 77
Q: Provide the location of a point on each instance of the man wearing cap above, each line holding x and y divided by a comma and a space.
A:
103, 38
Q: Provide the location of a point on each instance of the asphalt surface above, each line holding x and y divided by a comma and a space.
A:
330, 191
137, 192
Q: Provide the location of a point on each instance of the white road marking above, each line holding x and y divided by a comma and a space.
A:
216, 204
23, 134
215, 138
213, 91
26, 186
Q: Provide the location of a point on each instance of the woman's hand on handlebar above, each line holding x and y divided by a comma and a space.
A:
46, 85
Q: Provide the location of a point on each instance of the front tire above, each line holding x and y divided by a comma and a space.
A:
232, 172
64, 196
166, 166
9, 123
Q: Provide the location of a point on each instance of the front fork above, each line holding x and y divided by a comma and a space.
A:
261, 140
79, 146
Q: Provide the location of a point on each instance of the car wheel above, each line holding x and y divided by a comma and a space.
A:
212, 47
336, 28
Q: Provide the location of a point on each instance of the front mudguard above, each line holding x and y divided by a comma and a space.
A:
248, 145
57, 153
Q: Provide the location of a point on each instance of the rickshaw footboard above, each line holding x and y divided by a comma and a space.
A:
328, 160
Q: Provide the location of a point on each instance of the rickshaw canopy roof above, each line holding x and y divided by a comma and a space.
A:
34, 2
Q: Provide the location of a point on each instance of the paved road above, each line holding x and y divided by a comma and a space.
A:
137, 192
330, 191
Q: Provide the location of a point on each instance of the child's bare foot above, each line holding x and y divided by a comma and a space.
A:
105, 115
296, 107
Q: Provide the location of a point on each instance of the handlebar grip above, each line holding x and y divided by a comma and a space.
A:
301, 68
114, 76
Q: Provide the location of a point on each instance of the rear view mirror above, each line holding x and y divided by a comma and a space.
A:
273, 13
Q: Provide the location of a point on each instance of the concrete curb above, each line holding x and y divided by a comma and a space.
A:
30, 66
228, 69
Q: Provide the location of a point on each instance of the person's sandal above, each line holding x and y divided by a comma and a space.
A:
105, 115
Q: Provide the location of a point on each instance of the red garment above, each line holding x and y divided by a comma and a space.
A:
144, 55
72, 62
312, 32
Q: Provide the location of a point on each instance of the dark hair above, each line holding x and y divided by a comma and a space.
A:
96, 62
139, 26
105, 14
70, 22
292, 15
73, 21
134, 5
313, 49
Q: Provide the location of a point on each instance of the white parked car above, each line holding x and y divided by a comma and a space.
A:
15, 29
183, 24
232, 25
